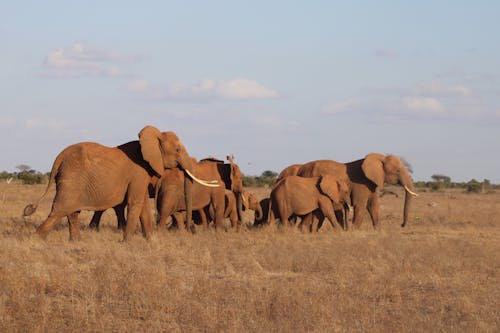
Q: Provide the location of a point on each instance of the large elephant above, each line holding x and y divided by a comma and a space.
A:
290, 170
299, 196
171, 194
90, 176
366, 177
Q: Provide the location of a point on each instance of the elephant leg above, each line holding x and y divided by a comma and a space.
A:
203, 216
359, 214
96, 220
340, 217
233, 217
305, 224
145, 218
219, 205
373, 210
74, 228
326, 207
346, 217
317, 219
162, 222
132, 219
120, 215
54, 217
179, 218
135, 205
284, 216
314, 223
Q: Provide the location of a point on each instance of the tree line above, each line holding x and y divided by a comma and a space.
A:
439, 182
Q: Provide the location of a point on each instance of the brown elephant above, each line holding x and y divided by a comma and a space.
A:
171, 194
365, 177
207, 214
233, 179
299, 196
252, 202
120, 210
290, 170
90, 176
264, 207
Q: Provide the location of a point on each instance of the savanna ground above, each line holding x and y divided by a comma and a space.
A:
439, 274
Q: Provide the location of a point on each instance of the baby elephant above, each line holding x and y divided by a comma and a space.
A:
298, 196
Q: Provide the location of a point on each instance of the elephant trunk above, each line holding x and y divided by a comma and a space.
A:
408, 198
239, 206
188, 196
409, 193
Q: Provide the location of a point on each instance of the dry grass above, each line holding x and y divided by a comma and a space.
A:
441, 273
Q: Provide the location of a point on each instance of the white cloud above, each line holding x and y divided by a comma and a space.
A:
83, 60
44, 123
425, 104
437, 89
235, 89
342, 106
386, 53
432, 100
243, 89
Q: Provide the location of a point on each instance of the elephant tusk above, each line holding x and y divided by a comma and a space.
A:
411, 192
244, 199
212, 183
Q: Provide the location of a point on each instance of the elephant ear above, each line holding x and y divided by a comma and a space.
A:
149, 138
234, 172
329, 186
373, 167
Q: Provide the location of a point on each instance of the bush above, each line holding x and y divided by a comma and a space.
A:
473, 186
31, 178
266, 179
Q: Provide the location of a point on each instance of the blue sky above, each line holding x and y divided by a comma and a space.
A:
271, 82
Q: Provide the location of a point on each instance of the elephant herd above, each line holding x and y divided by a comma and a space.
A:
90, 176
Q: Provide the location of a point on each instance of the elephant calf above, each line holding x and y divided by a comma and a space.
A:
207, 214
298, 196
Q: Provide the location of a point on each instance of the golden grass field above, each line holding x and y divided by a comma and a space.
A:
439, 274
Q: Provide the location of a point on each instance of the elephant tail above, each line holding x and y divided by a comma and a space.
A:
31, 208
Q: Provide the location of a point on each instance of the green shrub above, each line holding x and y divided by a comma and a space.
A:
473, 186
31, 178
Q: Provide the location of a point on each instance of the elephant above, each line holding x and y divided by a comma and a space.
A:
171, 195
252, 202
366, 177
90, 176
263, 219
207, 214
233, 179
231, 212
299, 196
120, 210
290, 170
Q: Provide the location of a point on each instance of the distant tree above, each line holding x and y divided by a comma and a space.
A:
267, 178
269, 174
473, 186
441, 178
23, 168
